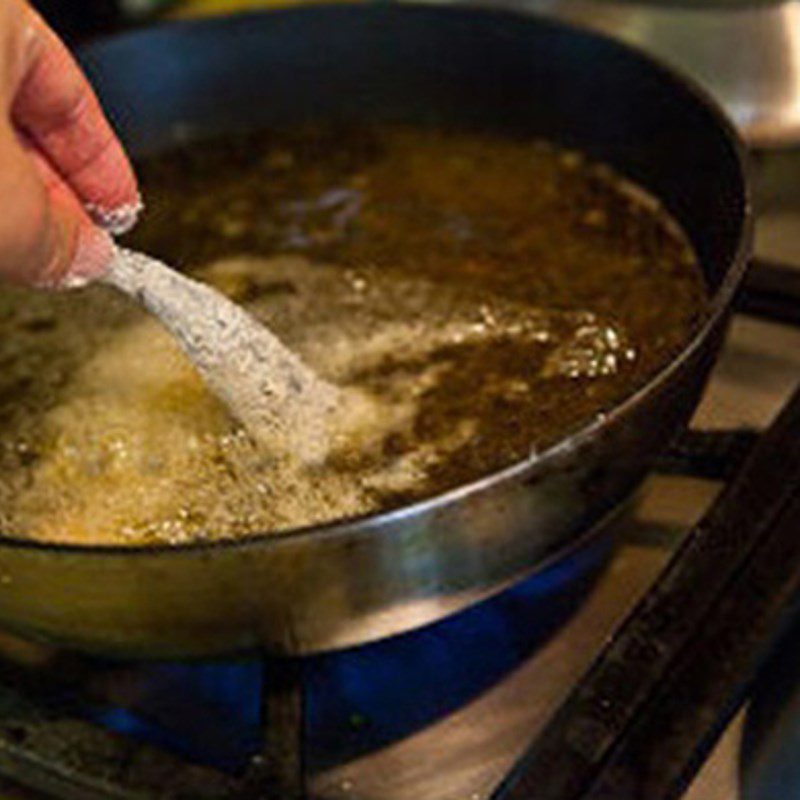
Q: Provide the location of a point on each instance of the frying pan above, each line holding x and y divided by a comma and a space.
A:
344, 584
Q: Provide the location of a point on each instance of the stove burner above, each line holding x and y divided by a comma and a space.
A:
357, 700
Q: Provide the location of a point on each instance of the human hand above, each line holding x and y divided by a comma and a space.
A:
65, 181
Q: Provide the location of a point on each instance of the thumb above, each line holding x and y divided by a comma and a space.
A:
77, 251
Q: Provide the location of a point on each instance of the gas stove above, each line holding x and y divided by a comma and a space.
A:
444, 713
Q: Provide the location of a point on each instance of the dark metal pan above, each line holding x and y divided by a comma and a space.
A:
344, 584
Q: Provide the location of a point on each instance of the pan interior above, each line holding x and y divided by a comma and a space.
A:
493, 292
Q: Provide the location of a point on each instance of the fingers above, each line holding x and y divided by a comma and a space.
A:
46, 237
58, 158
58, 111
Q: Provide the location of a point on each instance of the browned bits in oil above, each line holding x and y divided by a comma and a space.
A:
494, 294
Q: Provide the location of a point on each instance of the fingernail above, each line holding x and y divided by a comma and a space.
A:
119, 220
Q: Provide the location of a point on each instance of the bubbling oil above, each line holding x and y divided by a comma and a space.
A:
108, 435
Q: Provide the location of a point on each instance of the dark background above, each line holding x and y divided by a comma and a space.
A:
79, 19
